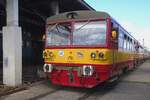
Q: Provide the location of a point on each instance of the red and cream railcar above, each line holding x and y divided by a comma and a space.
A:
86, 48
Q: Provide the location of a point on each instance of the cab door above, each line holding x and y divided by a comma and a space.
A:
114, 47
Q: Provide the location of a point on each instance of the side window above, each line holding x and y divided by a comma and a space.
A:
125, 42
128, 45
133, 49
121, 39
114, 25
131, 45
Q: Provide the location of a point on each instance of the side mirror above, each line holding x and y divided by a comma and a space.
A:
114, 34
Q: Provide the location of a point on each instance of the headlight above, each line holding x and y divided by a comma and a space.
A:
88, 70
93, 55
51, 54
44, 54
47, 68
101, 55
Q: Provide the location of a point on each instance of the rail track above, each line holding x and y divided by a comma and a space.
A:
83, 94
97, 92
45, 94
29, 77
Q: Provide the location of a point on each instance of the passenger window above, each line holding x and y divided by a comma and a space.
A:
121, 39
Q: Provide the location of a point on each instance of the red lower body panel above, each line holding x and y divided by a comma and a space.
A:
101, 73
71, 78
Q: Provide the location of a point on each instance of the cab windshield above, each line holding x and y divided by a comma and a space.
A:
58, 34
84, 33
92, 33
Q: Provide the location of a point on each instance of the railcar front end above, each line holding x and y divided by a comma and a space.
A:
77, 53
86, 48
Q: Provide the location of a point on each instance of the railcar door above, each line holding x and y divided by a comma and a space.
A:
114, 47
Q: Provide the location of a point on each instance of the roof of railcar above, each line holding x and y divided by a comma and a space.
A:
79, 15
83, 15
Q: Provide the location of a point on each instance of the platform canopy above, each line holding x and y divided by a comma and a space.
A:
35, 12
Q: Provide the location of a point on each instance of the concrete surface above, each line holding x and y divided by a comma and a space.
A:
128, 91
141, 74
36, 90
133, 86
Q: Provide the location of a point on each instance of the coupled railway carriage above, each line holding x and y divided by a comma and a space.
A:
86, 48
146, 54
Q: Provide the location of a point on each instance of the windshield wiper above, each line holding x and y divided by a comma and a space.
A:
83, 26
52, 27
